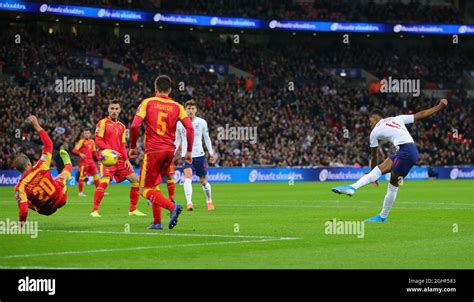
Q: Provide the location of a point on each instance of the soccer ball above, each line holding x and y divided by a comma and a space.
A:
109, 157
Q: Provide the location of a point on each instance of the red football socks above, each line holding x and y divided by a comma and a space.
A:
134, 195
99, 194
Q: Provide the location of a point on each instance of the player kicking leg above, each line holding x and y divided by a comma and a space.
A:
393, 130
371, 177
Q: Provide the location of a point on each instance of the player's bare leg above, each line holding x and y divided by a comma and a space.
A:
389, 199
370, 177
99, 194
134, 195
206, 187
188, 188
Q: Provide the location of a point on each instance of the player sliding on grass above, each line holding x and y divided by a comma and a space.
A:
36, 189
160, 114
86, 150
110, 134
199, 159
393, 130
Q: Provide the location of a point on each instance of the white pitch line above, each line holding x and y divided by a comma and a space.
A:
347, 200
47, 267
72, 203
172, 234
139, 248
331, 206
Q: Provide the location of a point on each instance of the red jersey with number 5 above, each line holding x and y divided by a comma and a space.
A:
160, 114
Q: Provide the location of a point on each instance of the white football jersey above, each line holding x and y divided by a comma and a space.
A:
200, 131
393, 130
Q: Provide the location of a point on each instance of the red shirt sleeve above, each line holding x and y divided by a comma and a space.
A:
23, 211
47, 142
189, 132
99, 141
123, 152
134, 131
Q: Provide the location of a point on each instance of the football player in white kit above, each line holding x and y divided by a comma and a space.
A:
199, 157
392, 130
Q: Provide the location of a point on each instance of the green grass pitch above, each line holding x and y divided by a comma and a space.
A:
264, 225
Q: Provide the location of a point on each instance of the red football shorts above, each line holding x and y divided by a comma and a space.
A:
117, 171
154, 166
88, 171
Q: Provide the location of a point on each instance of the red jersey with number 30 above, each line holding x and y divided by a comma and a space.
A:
160, 114
37, 185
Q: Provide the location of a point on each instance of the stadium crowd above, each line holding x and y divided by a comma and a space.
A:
321, 122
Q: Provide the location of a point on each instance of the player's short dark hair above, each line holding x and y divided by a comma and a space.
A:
376, 112
20, 162
162, 83
190, 103
115, 102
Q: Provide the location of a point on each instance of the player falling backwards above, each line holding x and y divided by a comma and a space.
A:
393, 130
160, 114
199, 159
110, 134
86, 150
37, 189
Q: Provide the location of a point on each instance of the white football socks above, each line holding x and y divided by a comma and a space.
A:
368, 178
207, 191
388, 200
188, 190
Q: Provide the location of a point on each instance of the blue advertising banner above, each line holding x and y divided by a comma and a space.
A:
253, 175
231, 22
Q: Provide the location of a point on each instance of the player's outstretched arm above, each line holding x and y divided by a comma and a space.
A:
208, 142
429, 112
188, 125
22, 212
373, 157
47, 142
134, 132
77, 148
22, 204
